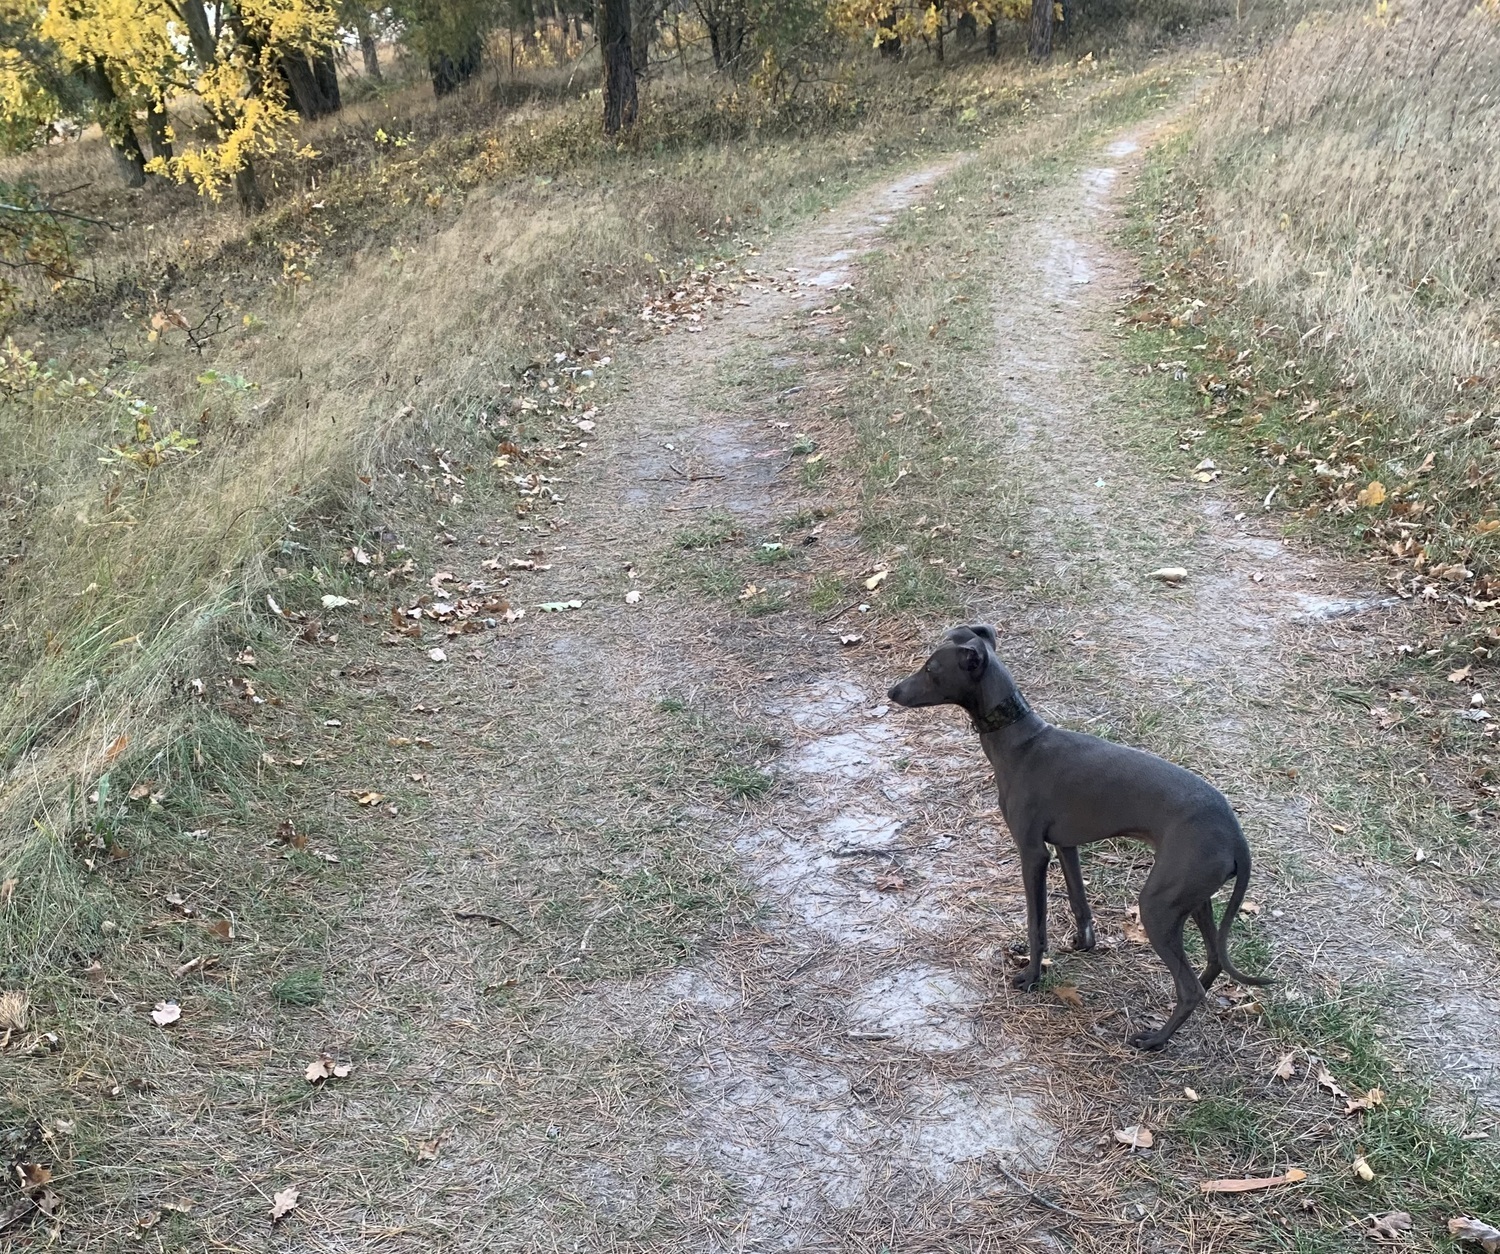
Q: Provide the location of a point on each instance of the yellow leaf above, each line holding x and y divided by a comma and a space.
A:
1371, 495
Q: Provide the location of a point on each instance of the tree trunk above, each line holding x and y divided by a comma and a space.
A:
326, 75
302, 88
967, 30
1040, 42
643, 16
156, 131
247, 190
992, 40
1069, 10
114, 121
449, 73
886, 39
200, 34
371, 55
620, 103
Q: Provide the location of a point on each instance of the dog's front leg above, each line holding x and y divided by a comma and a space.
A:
1034, 860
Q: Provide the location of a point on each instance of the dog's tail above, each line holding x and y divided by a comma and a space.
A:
1241, 883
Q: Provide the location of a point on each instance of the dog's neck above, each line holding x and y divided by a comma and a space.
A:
1001, 704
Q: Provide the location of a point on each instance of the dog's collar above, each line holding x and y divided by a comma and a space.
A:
1011, 709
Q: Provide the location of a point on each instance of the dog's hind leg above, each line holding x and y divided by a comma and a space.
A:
1163, 921
1203, 916
1083, 917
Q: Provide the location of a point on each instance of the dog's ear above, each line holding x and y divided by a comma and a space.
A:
970, 659
987, 634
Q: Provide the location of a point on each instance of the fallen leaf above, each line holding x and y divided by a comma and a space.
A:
221, 928
13, 1011
1068, 995
1369, 1101
633, 597
287, 833
283, 1204
245, 657
1371, 495
1250, 907
1169, 574
8, 890
141, 791
166, 1012
1457, 677
360, 556
1137, 1136
878, 578
324, 1067
188, 967
1132, 928
116, 748
1487, 1238
149, 1220
749, 591
1389, 1226
852, 638
1295, 1176
427, 1150
890, 881
1285, 1067
554, 607
331, 602
1190, 1094
1326, 1081
1362, 1169
437, 655
369, 798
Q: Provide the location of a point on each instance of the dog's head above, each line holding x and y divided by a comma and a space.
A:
954, 672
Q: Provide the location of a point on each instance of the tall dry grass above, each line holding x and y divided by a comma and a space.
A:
1351, 174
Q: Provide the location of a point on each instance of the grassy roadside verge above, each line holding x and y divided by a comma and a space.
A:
1396, 737
902, 426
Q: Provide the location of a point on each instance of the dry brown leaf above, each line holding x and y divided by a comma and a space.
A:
1295, 1176
1458, 676
188, 967
287, 833
1476, 1230
1389, 1226
1326, 1081
428, 1150
284, 1203
878, 578
1362, 1168
1134, 932
890, 880
1068, 995
166, 1012
1137, 1136
1368, 1101
8, 890
1169, 574
1371, 495
1286, 1067
324, 1068
370, 798
117, 746
33, 1175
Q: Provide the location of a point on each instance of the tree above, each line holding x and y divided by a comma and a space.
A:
449, 35
728, 23
1039, 41
620, 103
894, 24
133, 56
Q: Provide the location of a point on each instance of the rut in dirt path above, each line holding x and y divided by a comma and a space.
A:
1222, 644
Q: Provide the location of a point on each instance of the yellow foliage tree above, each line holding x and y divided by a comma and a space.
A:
893, 24
234, 57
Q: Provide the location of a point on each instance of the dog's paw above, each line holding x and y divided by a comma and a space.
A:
1026, 980
1083, 938
1149, 1041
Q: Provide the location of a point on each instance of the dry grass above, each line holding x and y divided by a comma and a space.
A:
1333, 212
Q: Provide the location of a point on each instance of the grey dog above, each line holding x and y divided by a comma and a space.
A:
1067, 789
